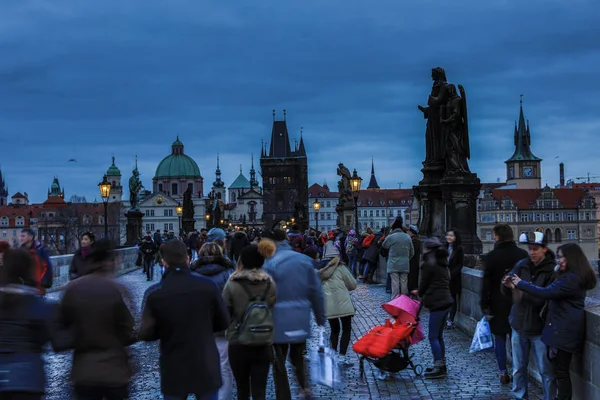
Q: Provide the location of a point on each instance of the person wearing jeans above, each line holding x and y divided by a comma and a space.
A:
434, 289
564, 330
495, 304
526, 316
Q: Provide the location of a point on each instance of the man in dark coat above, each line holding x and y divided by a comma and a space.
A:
184, 311
238, 243
494, 303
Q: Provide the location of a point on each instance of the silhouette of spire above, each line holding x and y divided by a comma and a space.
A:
218, 182
301, 148
522, 139
373, 182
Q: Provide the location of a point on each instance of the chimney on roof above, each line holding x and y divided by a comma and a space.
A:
562, 174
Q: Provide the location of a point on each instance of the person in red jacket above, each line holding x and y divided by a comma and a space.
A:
44, 267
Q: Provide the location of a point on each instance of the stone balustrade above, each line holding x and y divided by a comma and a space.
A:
125, 263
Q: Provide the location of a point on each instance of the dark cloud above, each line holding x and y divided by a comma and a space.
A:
92, 80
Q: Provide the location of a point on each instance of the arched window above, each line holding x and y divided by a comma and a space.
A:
557, 235
549, 234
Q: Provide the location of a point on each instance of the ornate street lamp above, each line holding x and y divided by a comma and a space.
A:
355, 182
179, 211
105, 194
317, 207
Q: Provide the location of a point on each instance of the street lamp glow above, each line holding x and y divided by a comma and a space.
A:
207, 217
355, 182
179, 209
104, 189
316, 205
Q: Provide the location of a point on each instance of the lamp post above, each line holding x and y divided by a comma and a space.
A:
355, 182
317, 207
207, 218
179, 211
105, 194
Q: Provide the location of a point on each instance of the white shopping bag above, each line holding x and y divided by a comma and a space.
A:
482, 339
324, 369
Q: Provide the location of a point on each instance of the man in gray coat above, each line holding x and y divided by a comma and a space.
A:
401, 250
299, 292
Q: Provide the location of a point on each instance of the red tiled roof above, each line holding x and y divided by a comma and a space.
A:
317, 190
385, 198
589, 186
527, 198
18, 195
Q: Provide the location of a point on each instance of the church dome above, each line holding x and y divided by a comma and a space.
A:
113, 170
177, 164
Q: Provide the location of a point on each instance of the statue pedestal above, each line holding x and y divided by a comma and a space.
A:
133, 227
459, 195
450, 203
345, 219
188, 224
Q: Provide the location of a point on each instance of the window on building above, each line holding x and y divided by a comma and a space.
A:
168, 213
166, 227
160, 187
20, 221
328, 204
328, 215
587, 216
558, 235
377, 213
371, 213
4, 221
557, 216
170, 227
524, 218
488, 236
571, 235
147, 213
3, 233
101, 219
507, 218
570, 216
174, 188
377, 225
538, 217
191, 187
547, 217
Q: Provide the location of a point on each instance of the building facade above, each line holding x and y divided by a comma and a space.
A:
285, 179
327, 216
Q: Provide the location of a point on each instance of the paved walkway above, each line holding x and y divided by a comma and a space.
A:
470, 376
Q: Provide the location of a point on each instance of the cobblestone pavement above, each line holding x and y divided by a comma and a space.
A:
470, 376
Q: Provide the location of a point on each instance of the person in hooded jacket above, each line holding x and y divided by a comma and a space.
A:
238, 242
212, 265
338, 282
250, 364
526, 316
434, 289
371, 256
27, 323
80, 257
93, 308
564, 330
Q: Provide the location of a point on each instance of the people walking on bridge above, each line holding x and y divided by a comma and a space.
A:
94, 309
212, 264
299, 292
400, 251
45, 273
526, 316
494, 303
250, 294
184, 311
434, 289
149, 250
80, 260
27, 323
564, 330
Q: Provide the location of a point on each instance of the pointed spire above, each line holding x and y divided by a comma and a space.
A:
253, 182
301, 148
273, 115
522, 139
280, 140
240, 168
284, 115
218, 182
373, 182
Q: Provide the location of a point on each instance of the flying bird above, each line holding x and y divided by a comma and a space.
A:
72, 160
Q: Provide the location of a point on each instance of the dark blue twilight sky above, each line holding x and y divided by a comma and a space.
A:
87, 80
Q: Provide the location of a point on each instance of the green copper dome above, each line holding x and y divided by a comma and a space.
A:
177, 164
113, 170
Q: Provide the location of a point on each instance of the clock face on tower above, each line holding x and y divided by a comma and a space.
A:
528, 172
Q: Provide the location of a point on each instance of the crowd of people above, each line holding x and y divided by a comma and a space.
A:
230, 307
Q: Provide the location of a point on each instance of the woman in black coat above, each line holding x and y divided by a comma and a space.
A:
564, 331
456, 258
79, 263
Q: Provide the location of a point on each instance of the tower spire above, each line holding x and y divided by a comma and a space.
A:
522, 138
218, 183
373, 182
301, 148
253, 182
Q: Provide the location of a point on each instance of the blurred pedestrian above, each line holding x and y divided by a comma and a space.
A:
94, 309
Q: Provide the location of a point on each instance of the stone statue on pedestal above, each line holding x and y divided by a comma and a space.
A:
344, 188
456, 132
135, 187
434, 137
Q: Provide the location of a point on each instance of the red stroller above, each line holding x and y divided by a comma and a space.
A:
386, 346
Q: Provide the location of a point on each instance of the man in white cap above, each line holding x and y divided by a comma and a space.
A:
527, 315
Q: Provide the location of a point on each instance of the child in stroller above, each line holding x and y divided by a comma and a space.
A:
387, 346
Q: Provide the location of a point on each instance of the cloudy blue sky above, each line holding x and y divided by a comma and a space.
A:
87, 80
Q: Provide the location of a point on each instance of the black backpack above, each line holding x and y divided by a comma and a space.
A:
256, 327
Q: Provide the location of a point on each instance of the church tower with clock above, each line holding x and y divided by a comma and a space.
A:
523, 169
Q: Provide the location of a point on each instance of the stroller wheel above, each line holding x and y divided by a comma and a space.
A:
418, 370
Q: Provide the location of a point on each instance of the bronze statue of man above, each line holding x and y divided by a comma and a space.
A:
456, 132
434, 140
135, 187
